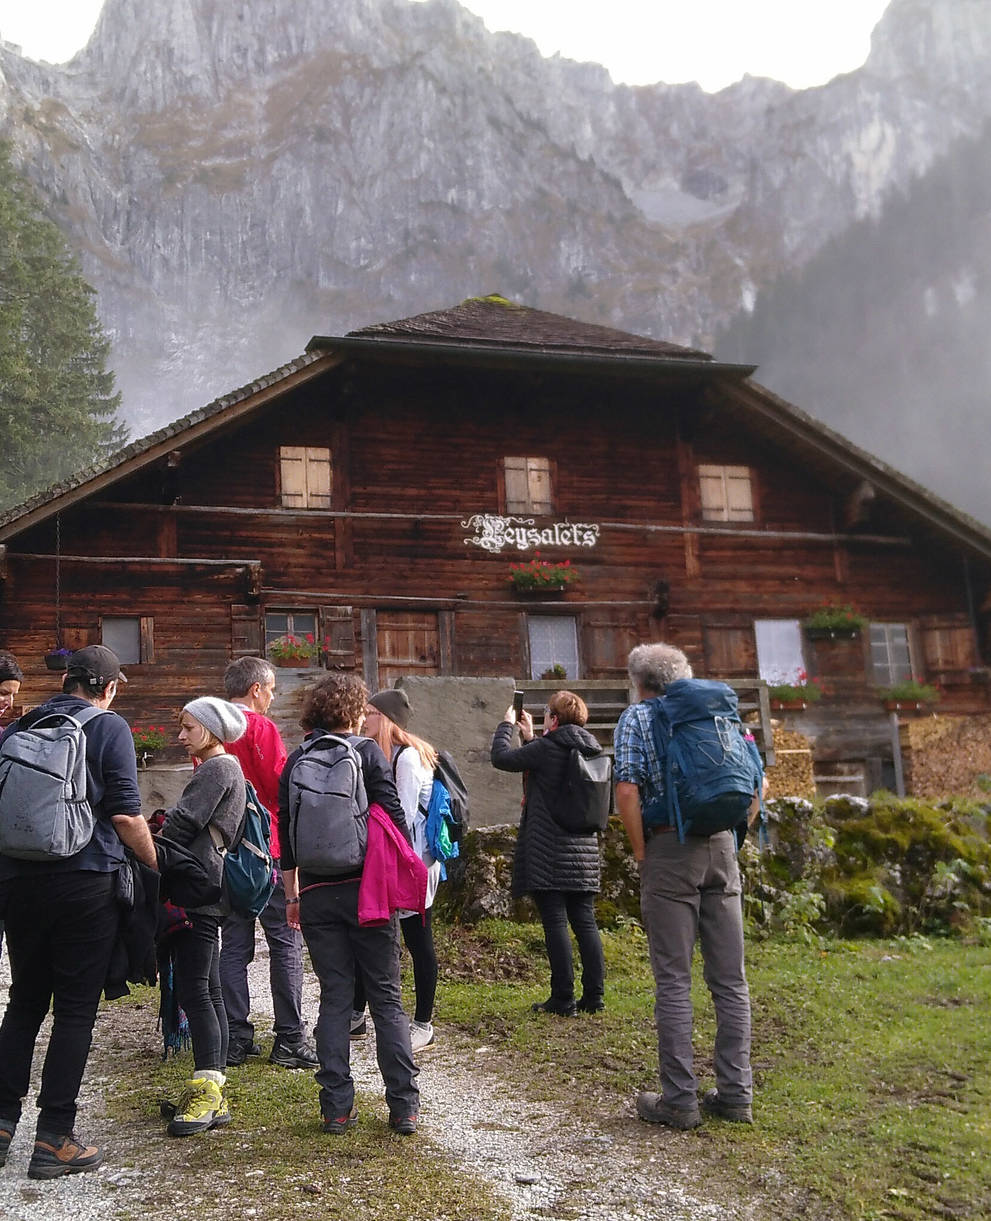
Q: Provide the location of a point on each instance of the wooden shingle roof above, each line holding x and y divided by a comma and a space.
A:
500, 323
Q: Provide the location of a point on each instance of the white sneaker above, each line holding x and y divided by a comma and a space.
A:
421, 1035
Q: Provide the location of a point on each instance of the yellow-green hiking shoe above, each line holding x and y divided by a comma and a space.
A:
198, 1108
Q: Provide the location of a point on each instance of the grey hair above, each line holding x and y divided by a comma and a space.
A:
242, 674
652, 666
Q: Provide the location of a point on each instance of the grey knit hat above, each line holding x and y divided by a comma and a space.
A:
225, 721
395, 704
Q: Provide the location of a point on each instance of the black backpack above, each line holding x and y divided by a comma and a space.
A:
446, 772
583, 805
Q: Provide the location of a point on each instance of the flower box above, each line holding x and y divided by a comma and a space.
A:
788, 705
297, 652
539, 576
834, 622
832, 633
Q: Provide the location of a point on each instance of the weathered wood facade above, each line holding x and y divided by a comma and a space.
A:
345, 494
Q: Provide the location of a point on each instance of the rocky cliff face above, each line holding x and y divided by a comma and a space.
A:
238, 175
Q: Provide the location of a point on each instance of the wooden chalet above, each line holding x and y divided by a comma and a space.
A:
376, 492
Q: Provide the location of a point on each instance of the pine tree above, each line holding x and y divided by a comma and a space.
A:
58, 406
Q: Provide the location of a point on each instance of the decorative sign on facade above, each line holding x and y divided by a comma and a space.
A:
494, 533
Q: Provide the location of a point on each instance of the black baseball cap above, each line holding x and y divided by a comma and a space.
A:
97, 664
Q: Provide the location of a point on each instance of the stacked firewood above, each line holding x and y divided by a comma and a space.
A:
947, 755
792, 774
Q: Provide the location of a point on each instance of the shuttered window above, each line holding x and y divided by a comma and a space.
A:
305, 477
948, 648
726, 493
891, 659
528, 485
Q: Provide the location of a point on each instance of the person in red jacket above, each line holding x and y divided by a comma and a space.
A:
249, 682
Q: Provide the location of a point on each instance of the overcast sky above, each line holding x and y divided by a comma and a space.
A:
801, 42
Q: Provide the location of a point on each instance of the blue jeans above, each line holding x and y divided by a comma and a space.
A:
60, 932
690, 892
338, 947
558, 909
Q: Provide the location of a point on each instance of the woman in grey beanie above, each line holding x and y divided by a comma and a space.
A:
214, 797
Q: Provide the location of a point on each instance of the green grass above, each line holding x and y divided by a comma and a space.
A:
872, 1063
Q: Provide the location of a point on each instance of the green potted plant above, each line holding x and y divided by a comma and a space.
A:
796, 695
834, 621
290, 650
542, 576
556, 671
909, 695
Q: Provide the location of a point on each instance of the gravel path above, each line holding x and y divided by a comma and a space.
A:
546, 1159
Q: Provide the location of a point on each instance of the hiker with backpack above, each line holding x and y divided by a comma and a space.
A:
211, 809
326, 790
413, 761
69, 805
249, 683
685, 778
558, 868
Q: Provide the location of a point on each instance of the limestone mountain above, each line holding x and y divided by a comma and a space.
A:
237, 175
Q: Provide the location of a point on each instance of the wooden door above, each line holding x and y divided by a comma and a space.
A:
408, 643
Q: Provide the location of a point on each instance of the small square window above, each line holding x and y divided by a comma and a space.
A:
130, 636
726, 493
306, 478
779, 650
528, 485
289, 623
553, 642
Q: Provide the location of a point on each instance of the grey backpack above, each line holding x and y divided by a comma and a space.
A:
44, 812
328, 808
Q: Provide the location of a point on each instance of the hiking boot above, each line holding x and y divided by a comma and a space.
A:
652, 1108
197, 1109
7, 1127
54, 1156
359, 1024
168, 1110
293, 1055
734, 1112
239, 1049
590, 1004
403, 1124
558, 1008
337, 1125
421, 1035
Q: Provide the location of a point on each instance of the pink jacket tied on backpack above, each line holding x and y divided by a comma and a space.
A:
393, 878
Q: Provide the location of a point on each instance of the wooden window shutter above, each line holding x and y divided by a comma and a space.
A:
338, 636
147, 629
712, 490
293, 469
948, 648
739, 495
730, 652
539, 485
246, 631
318, 478
517, 500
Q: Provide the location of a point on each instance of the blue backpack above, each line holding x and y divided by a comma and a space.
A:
711, 769
446, 812
249, 875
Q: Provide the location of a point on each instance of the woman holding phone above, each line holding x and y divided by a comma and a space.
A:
559, 869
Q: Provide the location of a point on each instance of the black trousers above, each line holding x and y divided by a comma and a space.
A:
196, 955
558, 909
418, 937
60, 932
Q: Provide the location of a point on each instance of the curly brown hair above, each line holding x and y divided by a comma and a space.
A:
570, 709
334, 703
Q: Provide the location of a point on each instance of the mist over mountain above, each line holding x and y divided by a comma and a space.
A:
238, 175
884, 333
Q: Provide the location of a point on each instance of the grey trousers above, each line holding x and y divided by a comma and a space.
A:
690, 892
337, 945
285, 969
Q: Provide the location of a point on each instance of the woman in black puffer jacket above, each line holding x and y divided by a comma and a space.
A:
560, 870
